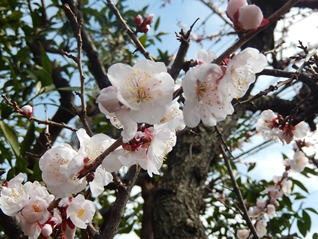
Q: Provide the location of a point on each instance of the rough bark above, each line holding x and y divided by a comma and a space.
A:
178, 199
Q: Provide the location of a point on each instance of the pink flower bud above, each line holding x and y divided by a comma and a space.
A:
250, 17
138, 20
148, 20
234, 6
46, 230
27, 110
145, 28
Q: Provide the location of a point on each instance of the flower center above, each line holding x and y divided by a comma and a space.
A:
201, 89
80, 213
36, 207
137, 87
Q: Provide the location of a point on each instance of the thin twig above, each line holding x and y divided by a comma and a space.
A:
39, 121
130, 33
236, 188
78, 60
217, 12
271, 88
179, 62
98, 161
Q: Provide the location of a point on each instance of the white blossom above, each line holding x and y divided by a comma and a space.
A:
101, 179
298, 163
33, 215
261, 228
173, 119
80, 211
240, 72
242, 234
290, 132
146, 89
270, 210
202, 94
203, 56
90, 149
14, 196
54, 165
118, 113
148, 149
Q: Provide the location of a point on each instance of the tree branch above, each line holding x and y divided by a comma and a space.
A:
235, 186
96, 66
116, 211
130, 33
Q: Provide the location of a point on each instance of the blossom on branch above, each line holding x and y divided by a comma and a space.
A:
201, 87
54, 166
80, 211
148, 149
274, 126
146, 89
14, 196
29, 202
241, 70
118, 113
242, 234
298, 163
261, 228
140, 94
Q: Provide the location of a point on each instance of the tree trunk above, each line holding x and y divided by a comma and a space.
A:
178, 199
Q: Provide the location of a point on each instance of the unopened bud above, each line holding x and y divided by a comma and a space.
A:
145, 28
46, 230
149, 19
27, 110
138, 20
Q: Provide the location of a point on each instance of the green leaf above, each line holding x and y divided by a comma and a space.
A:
300, 185
46, 63
11, 137
307, 171
311, 209
315, 236
39, 74
36, 175
11, 173
14, 16
251, 167
284, 156
143, 39
28, 139
22, 166
302, 227
155, 27
307, 220
73, 88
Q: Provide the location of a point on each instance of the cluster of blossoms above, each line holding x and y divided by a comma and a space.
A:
245, 17
139, 101
209, 88
274, 126
282, 184
29, 202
